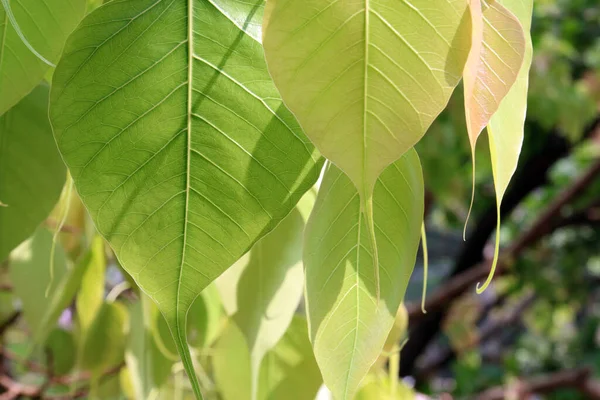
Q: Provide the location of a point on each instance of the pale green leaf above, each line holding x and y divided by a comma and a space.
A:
271, 287
31, 172
348, 326
148, 367
227, 284
507, 125
45, 25
206, 160
378, 386
366, 78
288, 371
205, 318
91, 294
30, 275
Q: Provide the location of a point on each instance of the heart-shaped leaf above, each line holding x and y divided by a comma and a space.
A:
366, 78
348, 326
205, 160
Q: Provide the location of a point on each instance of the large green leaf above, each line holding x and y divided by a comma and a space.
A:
348, 326
363, 84
45, 25
206, 160
31, 171
288, 371
271, 287
30, 275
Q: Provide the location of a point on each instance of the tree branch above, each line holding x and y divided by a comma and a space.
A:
578, 379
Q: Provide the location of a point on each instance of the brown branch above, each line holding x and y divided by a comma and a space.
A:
497, 326
578, 379
9, 322
542, 226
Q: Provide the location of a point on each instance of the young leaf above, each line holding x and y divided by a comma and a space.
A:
348, 327
271, 288
288, 371
32, 259
31, 172
206, 160
506, 126
366, 78
45, 25
494, 64
497, 50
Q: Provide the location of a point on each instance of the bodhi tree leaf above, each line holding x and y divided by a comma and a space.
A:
206, 160
348, 327
506, 127
363, 83
30, 275
495, 59
45, 25
31, 172
271, 287
288, 371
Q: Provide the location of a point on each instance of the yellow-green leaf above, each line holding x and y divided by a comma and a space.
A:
348, 326
30, 275
365, 78
288, 371
271, 287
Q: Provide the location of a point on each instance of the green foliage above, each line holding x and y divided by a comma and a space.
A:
198, 224
31, 171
